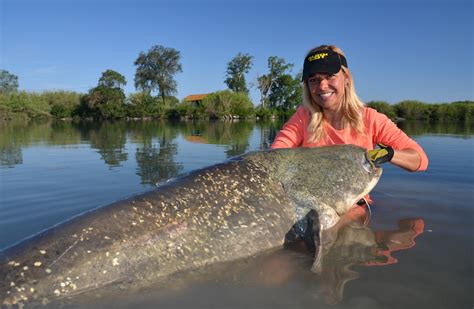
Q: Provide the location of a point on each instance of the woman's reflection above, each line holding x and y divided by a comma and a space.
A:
355, 244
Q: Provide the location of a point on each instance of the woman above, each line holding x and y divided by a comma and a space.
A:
332, 114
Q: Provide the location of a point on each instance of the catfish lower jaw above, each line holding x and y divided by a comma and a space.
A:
371, 184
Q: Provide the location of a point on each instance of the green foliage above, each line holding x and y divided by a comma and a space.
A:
227, 104
84, 110
59, 104
36, 106
384, 108
8, 82
112, 79
453, 112
59, 111
64, 104
462, 112
5, 109
171, 102
277, 67
107, 100
236, 70
412, 110
23, 105
140, 105
187, 110
285, 93
285, 114
279, 90
107, 103
144, 105
155, 70
263, 113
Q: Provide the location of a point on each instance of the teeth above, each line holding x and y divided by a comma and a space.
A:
325, 95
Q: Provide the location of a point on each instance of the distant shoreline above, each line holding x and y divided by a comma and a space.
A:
72, 105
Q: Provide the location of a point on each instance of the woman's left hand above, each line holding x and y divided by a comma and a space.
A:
381, 155
407, 159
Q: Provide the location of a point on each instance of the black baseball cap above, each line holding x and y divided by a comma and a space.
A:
323, 61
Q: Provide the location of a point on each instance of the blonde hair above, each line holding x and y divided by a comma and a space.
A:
351, 105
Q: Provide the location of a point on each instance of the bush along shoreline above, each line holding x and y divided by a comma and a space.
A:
109, 103
459, 111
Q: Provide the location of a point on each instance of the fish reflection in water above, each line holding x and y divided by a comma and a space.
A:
357, 244
264, 280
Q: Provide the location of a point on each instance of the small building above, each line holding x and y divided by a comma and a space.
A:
195, 99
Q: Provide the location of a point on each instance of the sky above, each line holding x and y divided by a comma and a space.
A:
396, 49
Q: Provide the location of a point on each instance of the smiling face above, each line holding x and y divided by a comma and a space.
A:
327, 90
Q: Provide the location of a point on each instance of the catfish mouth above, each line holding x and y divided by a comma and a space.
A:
375, 179
368, 165
372, 183
374, 173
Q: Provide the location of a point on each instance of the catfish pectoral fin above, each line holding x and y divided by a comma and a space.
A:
327, 238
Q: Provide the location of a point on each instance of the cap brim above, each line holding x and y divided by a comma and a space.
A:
326, 68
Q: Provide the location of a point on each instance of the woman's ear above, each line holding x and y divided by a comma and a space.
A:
346, 81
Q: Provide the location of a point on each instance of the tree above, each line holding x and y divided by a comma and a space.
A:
236, 69
383, 107
140, 104
412, 110
277, 66
8, 82
155, 70
227, 104
286, 92
108, 98
112, 79
106, 102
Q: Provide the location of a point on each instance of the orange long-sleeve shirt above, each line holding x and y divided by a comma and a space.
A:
378, 128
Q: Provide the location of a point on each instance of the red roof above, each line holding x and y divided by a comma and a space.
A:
196, 139
195, 97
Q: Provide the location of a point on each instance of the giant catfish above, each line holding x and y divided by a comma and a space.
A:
219, 213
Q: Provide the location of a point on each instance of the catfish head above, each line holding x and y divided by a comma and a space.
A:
330, 180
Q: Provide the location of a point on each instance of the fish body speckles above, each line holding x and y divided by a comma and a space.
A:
220, 213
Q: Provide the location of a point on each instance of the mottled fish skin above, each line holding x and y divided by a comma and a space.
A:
220, 213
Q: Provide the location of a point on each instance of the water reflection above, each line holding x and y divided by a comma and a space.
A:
358, 245
234, 134
413, 128
156, 148
156, 161
156, 140
10, 156
109, 138
268, 131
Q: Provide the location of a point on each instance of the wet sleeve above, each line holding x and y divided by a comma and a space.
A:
292, 133
389, 134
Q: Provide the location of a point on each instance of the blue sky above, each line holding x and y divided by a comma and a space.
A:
396, 49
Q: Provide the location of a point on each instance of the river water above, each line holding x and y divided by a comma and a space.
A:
422, 222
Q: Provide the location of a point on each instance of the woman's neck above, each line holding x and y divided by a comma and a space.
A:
334, 118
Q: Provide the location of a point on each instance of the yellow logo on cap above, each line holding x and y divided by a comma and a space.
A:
317, 56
